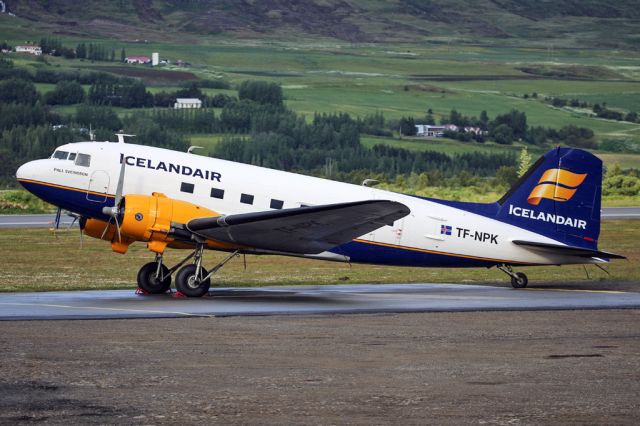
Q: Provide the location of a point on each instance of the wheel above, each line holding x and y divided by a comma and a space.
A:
519, 281
187, 284
148, 282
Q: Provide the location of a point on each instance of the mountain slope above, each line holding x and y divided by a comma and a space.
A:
568, 22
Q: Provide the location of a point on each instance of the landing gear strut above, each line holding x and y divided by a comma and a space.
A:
518, 279
191, 280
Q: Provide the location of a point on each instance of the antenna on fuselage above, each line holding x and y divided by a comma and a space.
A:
370, 182
192, 147
92, 134
122, 135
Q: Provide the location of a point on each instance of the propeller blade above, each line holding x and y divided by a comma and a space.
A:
120, 186
105, 230
114, 211
118, 229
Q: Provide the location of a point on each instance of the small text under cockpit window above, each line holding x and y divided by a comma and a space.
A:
83, 160
60, 155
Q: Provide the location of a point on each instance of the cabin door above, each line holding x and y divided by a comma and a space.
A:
98, 186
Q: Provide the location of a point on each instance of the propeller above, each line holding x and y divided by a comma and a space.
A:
114, 212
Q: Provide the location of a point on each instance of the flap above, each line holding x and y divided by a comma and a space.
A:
568, 250
305, 230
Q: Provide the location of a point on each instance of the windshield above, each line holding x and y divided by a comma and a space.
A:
60, 155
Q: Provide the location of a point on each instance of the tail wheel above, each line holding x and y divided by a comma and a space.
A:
519, 280
148, 282
191, 286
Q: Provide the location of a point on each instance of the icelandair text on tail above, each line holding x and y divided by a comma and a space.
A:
547, 217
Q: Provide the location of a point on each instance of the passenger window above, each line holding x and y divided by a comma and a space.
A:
72, 156
83, 160
187, 187
60, 155
276, 204
217, 193
246, 199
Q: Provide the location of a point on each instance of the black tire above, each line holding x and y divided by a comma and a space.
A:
147, 279
519, 281
186, 282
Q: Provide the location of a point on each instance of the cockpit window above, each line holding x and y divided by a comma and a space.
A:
72, 156
83, 160
61, 155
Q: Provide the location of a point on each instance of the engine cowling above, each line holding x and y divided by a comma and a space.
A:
147, 218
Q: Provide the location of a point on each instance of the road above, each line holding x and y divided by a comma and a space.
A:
307, 300
46, 220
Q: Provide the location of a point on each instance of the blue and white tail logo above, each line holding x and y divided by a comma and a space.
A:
558, 197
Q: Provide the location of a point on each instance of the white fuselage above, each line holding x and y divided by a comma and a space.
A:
433, 234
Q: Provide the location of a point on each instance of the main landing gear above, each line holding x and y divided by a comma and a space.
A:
191, 280
518, 279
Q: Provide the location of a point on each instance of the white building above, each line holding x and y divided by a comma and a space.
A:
187, 103
30, 49
155, 59
433, 131
137, 60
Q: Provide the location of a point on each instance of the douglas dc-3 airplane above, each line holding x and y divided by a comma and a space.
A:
125, 193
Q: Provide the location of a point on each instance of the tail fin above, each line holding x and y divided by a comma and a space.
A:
558, 197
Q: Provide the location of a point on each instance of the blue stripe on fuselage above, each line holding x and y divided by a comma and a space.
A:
369, 252
72, 199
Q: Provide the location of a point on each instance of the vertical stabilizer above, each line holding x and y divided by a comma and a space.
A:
558, 197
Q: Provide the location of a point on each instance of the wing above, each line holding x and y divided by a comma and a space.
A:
568, 250
306, 230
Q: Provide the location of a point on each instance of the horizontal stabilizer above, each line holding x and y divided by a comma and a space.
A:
305, 230
568, 250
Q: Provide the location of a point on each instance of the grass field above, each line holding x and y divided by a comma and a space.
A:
35, 260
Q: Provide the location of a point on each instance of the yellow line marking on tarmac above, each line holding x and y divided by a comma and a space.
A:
576, 291
105, 309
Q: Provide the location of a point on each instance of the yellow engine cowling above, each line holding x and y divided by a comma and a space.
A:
147, 218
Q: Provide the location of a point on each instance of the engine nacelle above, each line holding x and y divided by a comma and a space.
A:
147, 218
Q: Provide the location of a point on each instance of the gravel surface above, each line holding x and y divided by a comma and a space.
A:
561, 367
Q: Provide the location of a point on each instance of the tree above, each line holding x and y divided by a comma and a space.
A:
81, 51
524, 161
18, 91
503, 134
515, 120
407, 126
631, 117
123, 55
65, 93
484, 120
507, 175
261, 92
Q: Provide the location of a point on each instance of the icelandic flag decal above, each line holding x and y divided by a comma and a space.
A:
445, 229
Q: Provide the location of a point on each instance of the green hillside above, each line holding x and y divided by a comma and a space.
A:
568, 23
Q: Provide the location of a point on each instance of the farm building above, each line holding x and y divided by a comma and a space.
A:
187, 103
432, 131
138, 60
30, 49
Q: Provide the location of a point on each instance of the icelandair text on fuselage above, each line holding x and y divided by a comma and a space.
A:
170, 167
547, 217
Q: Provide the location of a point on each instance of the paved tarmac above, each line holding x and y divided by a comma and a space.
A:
46, 220
306, 300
